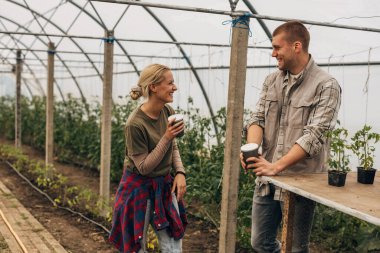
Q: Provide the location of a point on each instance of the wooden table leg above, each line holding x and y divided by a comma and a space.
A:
287, 222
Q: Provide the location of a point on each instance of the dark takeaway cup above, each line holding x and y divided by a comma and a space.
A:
177, 118
249, 150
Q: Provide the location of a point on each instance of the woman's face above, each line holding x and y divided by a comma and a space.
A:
164, 91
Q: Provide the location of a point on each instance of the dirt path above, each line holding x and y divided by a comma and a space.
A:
76, 234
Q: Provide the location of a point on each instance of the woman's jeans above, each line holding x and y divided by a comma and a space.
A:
167, 244
266, 219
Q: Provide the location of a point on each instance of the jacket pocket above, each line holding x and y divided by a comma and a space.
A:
299, 112
271, 122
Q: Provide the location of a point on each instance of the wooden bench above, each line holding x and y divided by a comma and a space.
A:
359, 200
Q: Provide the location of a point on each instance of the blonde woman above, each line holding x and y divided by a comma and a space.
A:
147, 192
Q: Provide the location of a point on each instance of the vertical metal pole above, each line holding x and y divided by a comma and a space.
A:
235, 109
105, 159
18, 100
49, 144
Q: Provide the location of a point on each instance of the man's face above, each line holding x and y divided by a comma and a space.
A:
283, 51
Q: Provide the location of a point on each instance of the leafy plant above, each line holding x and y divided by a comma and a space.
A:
338, 232
77, 140
338, 160
57, 186
363, 146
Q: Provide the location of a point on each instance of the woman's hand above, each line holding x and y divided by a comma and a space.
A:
179, 186
174, 129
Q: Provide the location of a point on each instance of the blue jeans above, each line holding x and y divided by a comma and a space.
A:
266, 220
167, 244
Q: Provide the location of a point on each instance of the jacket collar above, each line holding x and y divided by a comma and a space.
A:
302, 74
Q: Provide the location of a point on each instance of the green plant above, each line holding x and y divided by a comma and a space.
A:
77, 140
363, 146
338, 160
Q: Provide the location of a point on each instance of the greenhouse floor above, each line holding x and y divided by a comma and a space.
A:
80, 236
20, 230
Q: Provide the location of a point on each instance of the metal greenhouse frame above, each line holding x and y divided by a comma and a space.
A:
236, 88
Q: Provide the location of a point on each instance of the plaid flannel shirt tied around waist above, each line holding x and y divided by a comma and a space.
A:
130, 209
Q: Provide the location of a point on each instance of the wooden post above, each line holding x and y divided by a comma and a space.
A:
287, 222
49, 144
105, 159
18, 100
235, 108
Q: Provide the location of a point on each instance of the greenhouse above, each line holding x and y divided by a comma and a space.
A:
67, 68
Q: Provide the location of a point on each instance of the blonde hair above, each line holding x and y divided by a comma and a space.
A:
152, 74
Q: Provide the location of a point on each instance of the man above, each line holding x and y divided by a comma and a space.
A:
297, 106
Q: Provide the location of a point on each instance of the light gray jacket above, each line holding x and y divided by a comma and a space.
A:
300, 112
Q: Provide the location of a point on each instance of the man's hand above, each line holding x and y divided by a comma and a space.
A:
243, 163
248, 166
262, 167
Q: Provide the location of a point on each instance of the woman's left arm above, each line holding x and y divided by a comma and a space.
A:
179, 184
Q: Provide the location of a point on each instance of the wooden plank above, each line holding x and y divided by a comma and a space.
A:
18, 100
105, 146
10, 210
359, 200
287, 222
9, 238
235, 109
49, 139
31, 233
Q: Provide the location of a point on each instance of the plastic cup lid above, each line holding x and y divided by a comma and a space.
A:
249, 147
177, 117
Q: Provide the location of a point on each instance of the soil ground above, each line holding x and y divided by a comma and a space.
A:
76, 234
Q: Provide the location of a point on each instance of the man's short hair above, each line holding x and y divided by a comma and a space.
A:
294, 31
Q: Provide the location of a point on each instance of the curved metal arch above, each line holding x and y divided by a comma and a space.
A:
37, 57
27, 85
31, 70
179, 47
261, 22
105, 28
74, 41
163, 26
28, 67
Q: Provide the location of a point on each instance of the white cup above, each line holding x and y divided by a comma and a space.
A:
249, 150
177, 118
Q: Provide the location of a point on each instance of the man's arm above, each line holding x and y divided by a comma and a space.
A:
265, 168
322, 118
255, 128
255, 134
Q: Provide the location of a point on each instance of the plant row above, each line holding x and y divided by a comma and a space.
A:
58, 187
77, 140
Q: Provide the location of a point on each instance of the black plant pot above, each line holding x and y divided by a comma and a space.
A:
337, 178
366, 176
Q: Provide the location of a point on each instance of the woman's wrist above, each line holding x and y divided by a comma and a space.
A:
180, 172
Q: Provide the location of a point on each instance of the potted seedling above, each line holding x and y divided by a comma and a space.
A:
338, 160
363, 147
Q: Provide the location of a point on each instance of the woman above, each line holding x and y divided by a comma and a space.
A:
147, 193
